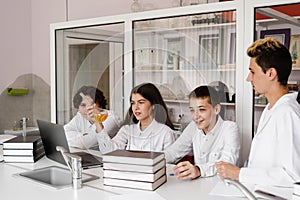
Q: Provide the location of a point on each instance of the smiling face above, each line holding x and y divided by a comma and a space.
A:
258, 78
203, 113
141, 107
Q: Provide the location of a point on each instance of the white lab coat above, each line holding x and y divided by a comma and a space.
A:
222, 143
81, 133
156, 137
275, 151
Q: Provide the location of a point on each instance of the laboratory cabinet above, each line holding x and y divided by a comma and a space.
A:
177, 49
180, 53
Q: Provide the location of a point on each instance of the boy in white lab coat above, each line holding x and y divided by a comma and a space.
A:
81, 131
209, 137
275, 152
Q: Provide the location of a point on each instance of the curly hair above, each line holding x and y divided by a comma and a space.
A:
93, 92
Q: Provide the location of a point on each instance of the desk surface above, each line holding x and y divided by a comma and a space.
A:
13, 187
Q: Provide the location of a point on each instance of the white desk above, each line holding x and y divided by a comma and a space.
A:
12, 187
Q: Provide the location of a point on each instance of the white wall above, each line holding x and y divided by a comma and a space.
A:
15, 40
79, 9
25, 30
25, 47
43, 14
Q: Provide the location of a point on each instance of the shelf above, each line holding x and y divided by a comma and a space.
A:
176, 100
181, 70
167, 30
187, 101
259, 105
227, 104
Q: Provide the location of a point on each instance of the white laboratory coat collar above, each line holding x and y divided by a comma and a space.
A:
150, 127
285, 98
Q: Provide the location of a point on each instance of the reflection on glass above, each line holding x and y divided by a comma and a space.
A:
87, 57
180, 53
281, 23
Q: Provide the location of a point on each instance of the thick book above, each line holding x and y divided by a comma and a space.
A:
20, 142
24, 152
135, 168
4, 138
136, 176
135, 184
134, 157
23, 159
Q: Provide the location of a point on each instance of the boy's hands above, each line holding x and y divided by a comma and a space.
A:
186, 170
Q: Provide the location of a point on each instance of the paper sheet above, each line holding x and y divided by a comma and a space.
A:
221, 189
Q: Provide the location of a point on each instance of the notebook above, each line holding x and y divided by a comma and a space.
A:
54, 135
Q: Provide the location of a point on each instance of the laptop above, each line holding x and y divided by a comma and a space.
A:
53, 135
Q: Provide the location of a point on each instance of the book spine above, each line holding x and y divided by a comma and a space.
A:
135, 168
132, 160
135, 176
20, 145
25, 158
17, 159
135, 184
28, 152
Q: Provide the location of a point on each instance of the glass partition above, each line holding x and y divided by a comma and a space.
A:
89, 56
180, 53
282, 23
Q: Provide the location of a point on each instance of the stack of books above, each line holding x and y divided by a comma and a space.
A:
296, 191
4, 138
134, 169
23, 149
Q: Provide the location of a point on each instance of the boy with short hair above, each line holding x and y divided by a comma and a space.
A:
275, 153
208, 135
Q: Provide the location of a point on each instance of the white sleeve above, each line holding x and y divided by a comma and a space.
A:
182, 146
78, 135
112, 124
289, 155
106, 144
169, 138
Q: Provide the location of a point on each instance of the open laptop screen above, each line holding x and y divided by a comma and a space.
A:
53, 135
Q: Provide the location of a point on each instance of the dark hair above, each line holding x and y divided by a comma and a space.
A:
150, 92
269, 53
93, 92
205, 91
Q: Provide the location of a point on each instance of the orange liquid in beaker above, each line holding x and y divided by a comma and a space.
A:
101, 117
